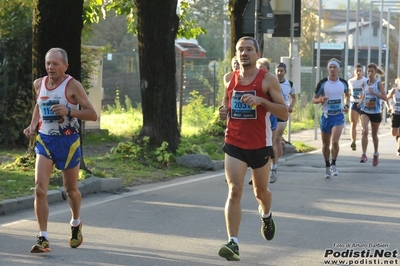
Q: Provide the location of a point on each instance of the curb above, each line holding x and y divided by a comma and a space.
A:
88, 186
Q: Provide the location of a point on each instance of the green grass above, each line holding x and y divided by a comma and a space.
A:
302, 125
302, 147
17, 180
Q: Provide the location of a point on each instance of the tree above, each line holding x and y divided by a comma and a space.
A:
157, 25
157, 70
57, 24
15, 71
236, 9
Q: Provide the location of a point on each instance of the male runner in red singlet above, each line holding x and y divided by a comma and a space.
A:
251, 95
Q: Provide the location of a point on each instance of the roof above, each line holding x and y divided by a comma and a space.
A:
341, 27
340, 14
190, 48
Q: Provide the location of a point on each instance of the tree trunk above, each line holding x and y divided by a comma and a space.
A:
236, 8
57, 24
157, 27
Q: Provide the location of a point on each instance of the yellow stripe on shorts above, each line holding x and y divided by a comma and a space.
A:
72, 151
39, 139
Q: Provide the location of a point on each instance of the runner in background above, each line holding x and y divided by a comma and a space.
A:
333, 94
355, 90
371, 112
289, 94
394, 110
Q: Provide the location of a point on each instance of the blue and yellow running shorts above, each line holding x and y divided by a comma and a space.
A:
63, 150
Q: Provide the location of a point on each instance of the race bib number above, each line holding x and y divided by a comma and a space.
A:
370, 102
335, 107
357, 92
397, 106
240, 110
48, 116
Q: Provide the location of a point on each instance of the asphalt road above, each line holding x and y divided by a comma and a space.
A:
353, 217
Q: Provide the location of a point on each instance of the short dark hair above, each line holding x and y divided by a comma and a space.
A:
247, 38
282, 65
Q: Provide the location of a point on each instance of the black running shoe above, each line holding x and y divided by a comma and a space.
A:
267, 226
230, 251
42, 245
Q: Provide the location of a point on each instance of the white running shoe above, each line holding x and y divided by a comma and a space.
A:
273, 176
334, 171
327, 172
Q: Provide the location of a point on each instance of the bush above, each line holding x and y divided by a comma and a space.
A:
16, 94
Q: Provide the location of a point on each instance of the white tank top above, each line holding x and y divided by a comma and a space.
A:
371, 103
50, 123
396, 102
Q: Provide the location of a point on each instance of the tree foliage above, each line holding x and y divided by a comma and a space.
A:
212, 16
15, 71
309, 30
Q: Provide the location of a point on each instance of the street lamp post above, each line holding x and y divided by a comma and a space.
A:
383, 3
317, 74
357, 33
346, 51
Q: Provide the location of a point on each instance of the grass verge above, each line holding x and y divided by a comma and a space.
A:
17, 178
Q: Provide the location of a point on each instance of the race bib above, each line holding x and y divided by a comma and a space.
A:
357, 92
335, 107
48, 116
370, 102
240, 110
397, 106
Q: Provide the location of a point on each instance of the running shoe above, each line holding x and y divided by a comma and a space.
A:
334, 170
327, 172
267, 226
398, 152
375, 160
76, 236
251, 182
230, 251
353, 146
42, 245
363, 158
273, 176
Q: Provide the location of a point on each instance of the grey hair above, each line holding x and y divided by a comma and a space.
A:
60, 50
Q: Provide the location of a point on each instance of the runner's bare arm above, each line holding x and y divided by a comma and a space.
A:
77, 94
277, 106
223, 110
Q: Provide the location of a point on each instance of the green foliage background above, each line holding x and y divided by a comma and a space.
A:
15, 71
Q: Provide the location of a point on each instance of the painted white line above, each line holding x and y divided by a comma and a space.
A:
117, 197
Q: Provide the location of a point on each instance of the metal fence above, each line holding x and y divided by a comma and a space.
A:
122, 74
